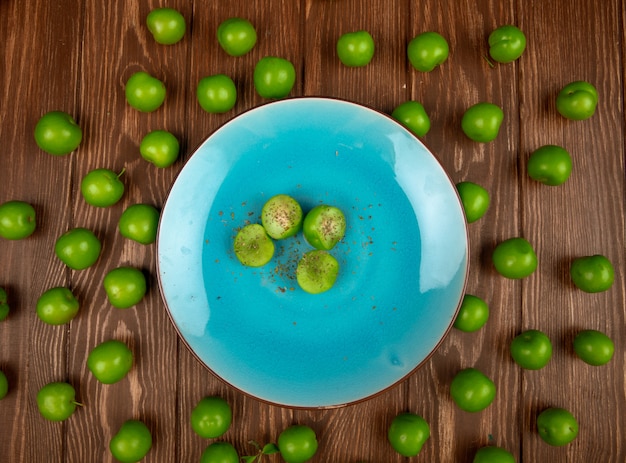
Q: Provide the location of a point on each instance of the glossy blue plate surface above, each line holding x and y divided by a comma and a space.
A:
403, 259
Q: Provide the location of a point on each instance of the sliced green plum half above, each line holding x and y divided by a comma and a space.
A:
324, 226
253, 247
317, 271
281, 217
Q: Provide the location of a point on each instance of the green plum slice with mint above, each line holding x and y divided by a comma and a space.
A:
281, 216
317, 271
252, 246
324, 226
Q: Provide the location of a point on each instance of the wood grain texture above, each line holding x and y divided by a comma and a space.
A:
581, 218
35, 354
116, 44
76, 55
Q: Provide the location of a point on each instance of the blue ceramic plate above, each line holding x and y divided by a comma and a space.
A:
403, 261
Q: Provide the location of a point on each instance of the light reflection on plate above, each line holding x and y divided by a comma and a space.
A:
403, 259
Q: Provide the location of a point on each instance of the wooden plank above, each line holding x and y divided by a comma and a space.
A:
117, 43
32, 353
584, 216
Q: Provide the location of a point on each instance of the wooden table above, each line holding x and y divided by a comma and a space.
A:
76, 55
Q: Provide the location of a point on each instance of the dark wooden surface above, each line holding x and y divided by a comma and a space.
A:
75, 55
